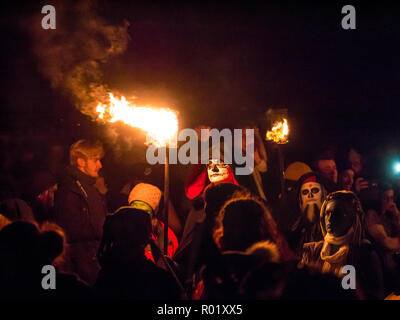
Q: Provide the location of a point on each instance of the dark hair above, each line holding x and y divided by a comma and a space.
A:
385, 186
244, 221
125, 234
52, 242
241, 223
328, 154
216, 195
31, 245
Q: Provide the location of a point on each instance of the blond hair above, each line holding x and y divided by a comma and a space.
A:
85, 149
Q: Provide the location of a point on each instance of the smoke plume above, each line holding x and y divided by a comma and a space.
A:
71, 56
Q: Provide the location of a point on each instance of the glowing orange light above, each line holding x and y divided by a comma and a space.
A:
160, 124
279, 132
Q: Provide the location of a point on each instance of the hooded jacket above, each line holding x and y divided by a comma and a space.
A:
198, 181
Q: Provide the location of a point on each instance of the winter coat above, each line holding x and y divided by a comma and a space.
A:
80, 210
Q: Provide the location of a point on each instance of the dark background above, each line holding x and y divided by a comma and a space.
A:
223, 63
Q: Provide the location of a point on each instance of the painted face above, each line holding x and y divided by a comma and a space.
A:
92, 167
217, 171
338, 219
311, 199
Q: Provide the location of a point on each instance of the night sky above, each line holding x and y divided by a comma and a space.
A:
223, 63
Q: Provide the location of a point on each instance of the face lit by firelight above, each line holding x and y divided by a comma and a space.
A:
217, 171
91, 166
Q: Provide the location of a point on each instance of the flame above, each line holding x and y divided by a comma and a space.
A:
279, 132
160, 124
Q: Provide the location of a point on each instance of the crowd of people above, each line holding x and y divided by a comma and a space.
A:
242, 237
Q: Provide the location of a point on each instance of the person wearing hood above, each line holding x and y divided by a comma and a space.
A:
344, 243
80, 209
202, 175
215, 172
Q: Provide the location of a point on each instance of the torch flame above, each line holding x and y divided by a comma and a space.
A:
161, 125
279, 132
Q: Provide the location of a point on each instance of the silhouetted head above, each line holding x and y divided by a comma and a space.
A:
242, 222
216, 195
19, 244
52, 242
125, 235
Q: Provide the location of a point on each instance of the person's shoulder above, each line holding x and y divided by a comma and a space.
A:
69, 287
67, 183
371, 212
367, 246
155, 271
368, 251
372, 217
159, 275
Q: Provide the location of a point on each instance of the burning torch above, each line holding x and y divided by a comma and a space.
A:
161, 126
279, 134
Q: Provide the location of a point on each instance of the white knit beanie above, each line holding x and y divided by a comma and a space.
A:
147, 193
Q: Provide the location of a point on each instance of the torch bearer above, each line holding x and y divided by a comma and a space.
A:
161, 126
279, 135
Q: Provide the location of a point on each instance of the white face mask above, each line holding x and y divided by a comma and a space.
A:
217, 171
311, 199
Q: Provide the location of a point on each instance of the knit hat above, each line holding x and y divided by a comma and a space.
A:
146, 193
295, 170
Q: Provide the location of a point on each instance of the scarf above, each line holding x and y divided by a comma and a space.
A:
141, 205
333, 262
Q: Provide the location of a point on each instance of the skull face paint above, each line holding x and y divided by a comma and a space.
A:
311, 200
217, 171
